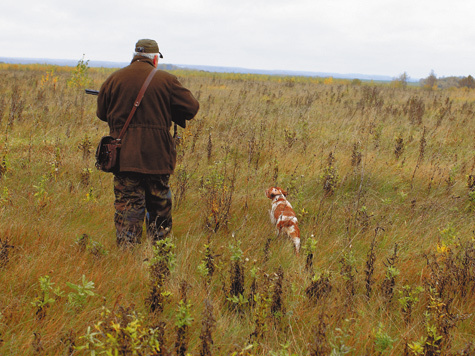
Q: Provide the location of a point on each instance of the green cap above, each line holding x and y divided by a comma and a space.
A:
147, 46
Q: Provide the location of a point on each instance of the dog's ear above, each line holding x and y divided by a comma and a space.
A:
284, 192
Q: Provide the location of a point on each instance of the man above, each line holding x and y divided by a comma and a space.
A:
147, 156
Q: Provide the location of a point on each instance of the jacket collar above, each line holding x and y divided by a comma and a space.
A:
142, 59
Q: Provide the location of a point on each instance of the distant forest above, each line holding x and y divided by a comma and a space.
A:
447, 82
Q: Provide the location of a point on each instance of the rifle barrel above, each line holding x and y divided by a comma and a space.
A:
92, 92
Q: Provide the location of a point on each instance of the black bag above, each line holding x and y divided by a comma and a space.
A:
108, 151
107, 154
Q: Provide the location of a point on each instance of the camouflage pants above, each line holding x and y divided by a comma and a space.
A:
140, 197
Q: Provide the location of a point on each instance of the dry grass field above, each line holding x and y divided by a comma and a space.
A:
381, 177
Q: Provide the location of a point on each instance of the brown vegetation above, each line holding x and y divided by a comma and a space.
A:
381, 178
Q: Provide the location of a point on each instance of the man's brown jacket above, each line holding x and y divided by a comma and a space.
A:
148, 146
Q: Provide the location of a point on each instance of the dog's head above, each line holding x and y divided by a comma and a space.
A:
272, 192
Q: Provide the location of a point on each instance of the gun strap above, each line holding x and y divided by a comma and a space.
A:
137, 103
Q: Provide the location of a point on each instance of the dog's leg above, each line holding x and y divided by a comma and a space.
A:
295, 235
291, 230
296, 241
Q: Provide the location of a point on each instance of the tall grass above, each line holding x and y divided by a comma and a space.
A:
380, 177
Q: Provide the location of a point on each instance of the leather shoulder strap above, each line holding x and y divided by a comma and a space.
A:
137, 103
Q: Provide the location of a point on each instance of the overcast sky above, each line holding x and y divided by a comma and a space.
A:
374, 37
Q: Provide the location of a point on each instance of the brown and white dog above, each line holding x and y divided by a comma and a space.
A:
283, 215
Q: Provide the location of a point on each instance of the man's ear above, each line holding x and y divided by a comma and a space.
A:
155, 60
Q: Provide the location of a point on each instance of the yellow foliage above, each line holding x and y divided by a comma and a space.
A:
49, 78
442, 248
328, 80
